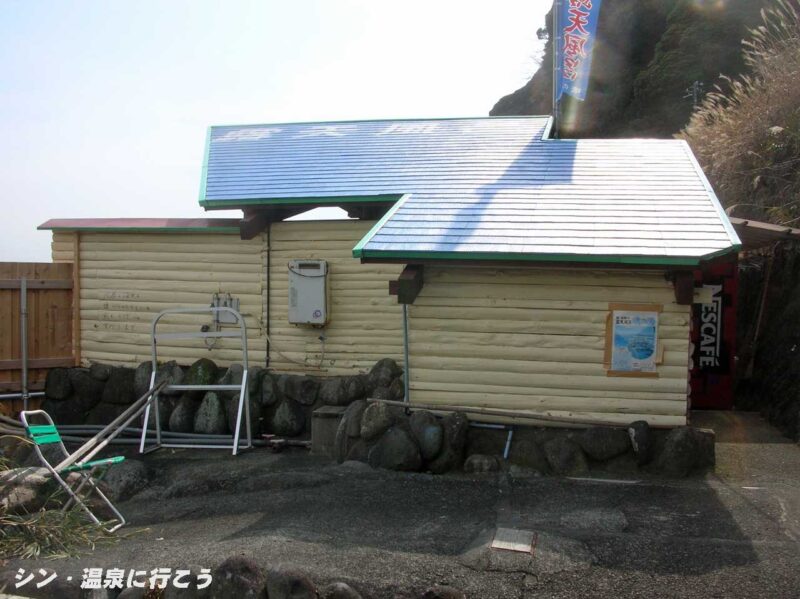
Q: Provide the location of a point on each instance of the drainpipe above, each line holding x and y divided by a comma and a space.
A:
269, 278
406, 367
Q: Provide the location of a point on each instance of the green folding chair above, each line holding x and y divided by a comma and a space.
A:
46, 434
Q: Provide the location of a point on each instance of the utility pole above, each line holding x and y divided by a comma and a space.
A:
694, 91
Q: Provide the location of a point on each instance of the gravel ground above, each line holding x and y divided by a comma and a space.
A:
735, 533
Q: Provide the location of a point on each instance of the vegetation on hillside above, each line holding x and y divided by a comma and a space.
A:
748, 137
648, 52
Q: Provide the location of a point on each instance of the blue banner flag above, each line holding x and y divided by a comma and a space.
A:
575, 29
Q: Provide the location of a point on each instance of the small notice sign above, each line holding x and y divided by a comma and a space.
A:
513, 539
634, 341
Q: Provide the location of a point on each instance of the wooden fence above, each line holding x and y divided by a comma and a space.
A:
50, 318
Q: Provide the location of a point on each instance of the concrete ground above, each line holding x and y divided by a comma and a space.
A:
734, 533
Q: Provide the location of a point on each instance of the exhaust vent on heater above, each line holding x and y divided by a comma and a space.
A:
308, 292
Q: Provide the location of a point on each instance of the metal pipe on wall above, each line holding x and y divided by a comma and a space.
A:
19, 395
406, 367
269, 286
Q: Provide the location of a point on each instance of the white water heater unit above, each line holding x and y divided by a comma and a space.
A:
308, 292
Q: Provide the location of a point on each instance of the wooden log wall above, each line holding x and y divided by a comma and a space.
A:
126, 278
533, 340
365, 321
63, 246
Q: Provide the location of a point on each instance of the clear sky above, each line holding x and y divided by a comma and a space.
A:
104, 104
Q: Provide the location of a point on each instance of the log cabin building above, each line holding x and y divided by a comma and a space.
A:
503, 268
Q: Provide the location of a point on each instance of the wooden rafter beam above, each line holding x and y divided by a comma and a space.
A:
366, 211
683, 283
408, 284
255, 221
252, 224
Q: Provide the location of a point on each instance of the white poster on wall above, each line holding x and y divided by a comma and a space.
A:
634, 341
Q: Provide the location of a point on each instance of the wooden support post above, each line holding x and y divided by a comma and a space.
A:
683, 281
255, 221
252, 224
76, 299
408, 284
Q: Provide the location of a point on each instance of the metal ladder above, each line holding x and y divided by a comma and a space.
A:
244, 405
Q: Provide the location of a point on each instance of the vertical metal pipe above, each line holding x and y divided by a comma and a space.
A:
269, 278
23, 337
507, 449
554, 49
406, 366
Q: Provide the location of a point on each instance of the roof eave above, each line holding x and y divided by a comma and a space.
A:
310, 202
478, 258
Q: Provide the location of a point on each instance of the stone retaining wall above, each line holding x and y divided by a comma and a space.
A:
376, 433
279, 404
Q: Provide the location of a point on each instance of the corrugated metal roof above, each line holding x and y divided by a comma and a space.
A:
480, 188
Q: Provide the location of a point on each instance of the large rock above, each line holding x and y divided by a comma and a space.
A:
182, 418
100, 372
119, 388
397, 390
233, 376
66, 411
380, 393
256, 414
358, 451
57, 385
210, 418
202, 372
685, 449
525, 451
269, 390
289, 419
642, 441
104, 413
565, 457
451, 456
396, 450
238, 576
341, 391
383, 373
349, 430
302, 389
88, 391
173, 374
25, 490
427, 432
377, 419
141, 378
602, 443
481, 464
356, 387
332, 392
126, 479
166, 405
287, 583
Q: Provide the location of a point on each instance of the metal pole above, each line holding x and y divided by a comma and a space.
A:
554, 49
23, 337
406, 367
19, 395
